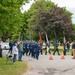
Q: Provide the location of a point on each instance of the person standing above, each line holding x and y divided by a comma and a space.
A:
73, 49
0, 52
20, 50
15, 52
0, 48
10, 46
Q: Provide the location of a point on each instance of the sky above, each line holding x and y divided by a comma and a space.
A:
69, 4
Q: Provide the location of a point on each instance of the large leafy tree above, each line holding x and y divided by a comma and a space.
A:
54, 21
10, 17
37, 6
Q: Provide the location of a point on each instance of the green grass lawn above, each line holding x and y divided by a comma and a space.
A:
12, 69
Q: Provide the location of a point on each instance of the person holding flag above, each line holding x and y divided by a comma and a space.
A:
47, 46
40, 43
73, 49
56, 48
64, 45
20, 47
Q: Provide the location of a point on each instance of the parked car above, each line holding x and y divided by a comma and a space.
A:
5, 46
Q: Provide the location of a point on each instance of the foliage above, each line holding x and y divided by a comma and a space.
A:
10, 17
25, 26
37, 6
52, 20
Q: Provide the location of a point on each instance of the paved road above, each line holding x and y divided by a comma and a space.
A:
44, 66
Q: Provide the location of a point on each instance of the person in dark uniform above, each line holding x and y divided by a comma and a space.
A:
64, 48
73, 49
56, 48
25, 48
10, 46
34, 50
68, 46
37, 51
0, 52
41, 48
30, 48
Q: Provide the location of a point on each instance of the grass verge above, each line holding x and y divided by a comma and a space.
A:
12, 69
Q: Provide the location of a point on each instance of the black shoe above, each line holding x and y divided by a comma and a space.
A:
73, 58
19, 60
53, 54
58, 54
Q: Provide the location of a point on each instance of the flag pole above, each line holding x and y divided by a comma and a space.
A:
19, 38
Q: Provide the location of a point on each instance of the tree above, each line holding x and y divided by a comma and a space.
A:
10, 17
37, 6
54, 22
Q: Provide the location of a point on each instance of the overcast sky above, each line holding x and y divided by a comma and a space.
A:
69, 4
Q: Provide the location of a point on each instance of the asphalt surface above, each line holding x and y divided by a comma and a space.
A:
44, 66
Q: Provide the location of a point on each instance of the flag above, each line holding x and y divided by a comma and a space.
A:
24, 37
31, 38
19, 38
47, 43
40, 42
47, 39
40, 38
64, 40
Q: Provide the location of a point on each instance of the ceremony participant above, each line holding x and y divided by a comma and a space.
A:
26, 48
30, 48
47, 48
20, 50
0, 48
68, 46
64, 48
41, 50
0, 52
37, 51
10, 46
64, 45
41, 43
73, 49
15, 52
56, 48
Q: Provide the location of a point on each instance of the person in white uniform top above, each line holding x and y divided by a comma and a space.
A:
15, 52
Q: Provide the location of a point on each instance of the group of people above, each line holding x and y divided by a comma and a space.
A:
24, 48
33, 49
66, 48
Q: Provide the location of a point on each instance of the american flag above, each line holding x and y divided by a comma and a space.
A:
19, 37
64, 40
